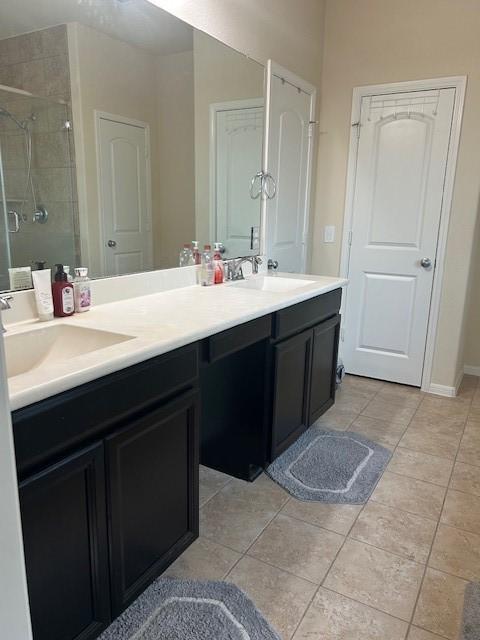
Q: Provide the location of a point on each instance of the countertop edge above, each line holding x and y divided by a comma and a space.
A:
50, 388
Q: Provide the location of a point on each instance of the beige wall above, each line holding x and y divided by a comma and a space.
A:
377, 41
288, 31
116, 77
472, 340
221, 75
175, 102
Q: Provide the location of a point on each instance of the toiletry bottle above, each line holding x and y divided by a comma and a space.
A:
82, 291
218, 263
186, 256
42, 283
62, 290
197, 257
207, 271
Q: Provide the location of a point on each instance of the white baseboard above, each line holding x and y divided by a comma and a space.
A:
442, 390
471, 370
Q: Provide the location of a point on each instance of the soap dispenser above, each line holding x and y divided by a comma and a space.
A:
63, 296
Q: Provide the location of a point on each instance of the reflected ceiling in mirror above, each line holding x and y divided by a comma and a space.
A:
124, 133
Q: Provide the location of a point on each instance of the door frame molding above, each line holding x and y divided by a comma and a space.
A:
217, 107
113, 117
274, 69
459, 83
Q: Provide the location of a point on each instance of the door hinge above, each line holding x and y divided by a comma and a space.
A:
342, 335
311, 124
350, 236
358, 126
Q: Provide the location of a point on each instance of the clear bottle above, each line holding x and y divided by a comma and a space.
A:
186, 256
218, 263
207, 271
197, 256
82, 291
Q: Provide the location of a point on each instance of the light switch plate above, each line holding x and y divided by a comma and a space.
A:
329, 233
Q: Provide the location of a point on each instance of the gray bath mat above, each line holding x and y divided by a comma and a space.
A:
471, 612
330, 466
173, 609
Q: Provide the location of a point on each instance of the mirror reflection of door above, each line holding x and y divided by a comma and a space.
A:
236, 148
290, 147
140, 68
124, 176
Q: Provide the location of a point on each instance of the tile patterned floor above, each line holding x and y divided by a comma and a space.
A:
392, 569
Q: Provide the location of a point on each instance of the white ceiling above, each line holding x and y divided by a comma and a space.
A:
136, 21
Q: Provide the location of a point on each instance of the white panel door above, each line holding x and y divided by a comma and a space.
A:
238, 157
289, 149
401, 163
124, 195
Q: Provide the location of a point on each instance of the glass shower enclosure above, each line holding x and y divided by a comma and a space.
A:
38, 202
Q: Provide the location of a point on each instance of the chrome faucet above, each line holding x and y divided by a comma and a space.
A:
4, 305
234, 267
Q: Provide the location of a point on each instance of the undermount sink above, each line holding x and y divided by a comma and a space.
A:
54, 344
276, 284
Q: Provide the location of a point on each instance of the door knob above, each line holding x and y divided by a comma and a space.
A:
426, 263
272, 264
111, 244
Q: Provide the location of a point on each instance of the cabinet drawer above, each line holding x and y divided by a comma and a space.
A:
294, 319
53, 426
227, 342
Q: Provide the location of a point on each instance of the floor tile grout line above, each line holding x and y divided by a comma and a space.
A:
410, 513
427, 563
359, 514
402, 475
282, 569
330, 566
393, 553
313, 524
216, 493
385, 613
348, 535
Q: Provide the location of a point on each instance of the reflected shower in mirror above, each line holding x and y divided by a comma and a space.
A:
124, 133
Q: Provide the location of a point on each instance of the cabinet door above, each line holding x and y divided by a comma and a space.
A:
152, 477
290, 392
324, 366
64, 535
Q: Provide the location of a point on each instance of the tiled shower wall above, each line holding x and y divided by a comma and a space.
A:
37, 62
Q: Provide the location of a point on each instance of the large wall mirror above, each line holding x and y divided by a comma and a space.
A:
124, 133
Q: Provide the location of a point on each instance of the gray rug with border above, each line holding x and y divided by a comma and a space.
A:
171, 609
338, 467
471, 612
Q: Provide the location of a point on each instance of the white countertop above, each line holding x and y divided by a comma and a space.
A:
158, 323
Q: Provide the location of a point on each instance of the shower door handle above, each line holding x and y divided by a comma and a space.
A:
16, 228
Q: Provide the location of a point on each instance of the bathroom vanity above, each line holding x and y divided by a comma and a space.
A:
108, 465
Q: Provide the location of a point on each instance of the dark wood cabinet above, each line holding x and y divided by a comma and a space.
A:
108, 506
65, 542
234, 388
291, 387
152, 472
108, 471
324, 367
